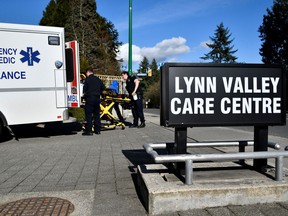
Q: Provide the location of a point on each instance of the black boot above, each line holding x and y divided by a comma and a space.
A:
142, 125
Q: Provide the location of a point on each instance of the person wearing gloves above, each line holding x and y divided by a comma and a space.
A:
135, 92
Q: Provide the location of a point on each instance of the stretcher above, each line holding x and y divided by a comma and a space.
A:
108, 103
109, 100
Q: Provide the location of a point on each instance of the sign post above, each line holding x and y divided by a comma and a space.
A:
260, 144
181, 145
130, 39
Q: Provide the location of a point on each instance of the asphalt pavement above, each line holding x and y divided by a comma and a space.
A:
98, 174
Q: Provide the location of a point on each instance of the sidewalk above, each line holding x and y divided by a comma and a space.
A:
98, 174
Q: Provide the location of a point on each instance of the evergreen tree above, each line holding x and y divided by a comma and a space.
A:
49, 15
144, 65
155, 72
107, 47
152, 92
221, 49
56, 13
97, 37
143, 68
274, 34
150, 84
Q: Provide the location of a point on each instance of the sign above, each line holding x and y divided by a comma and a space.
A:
222, 94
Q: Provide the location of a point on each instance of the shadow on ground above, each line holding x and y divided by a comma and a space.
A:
137, 157
141, 158
42, 130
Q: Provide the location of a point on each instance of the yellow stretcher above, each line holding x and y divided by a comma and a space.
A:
109, 100
107, 104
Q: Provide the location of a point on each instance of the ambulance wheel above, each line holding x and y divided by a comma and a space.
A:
123, 127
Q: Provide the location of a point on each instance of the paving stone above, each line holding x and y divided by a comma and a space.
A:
105, 164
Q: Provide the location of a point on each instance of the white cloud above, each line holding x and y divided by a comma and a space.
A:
124, 50
166, 49
203, 44
201, 47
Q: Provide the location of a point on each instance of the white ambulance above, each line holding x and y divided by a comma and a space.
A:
39, 75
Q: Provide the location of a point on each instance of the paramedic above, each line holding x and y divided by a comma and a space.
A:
135, 92
92, 90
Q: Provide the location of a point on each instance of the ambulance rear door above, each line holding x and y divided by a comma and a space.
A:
73, 74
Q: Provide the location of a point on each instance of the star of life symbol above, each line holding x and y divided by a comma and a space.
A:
30, 56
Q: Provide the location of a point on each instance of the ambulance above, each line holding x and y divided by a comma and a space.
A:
39, 75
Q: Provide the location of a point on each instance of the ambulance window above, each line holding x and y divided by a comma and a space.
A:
54, 40
69, 65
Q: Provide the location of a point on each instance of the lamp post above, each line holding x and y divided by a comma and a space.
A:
130, 39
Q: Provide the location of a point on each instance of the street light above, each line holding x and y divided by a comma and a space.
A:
130, 39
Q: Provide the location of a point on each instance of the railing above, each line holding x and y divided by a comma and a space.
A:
190, 158
107, 80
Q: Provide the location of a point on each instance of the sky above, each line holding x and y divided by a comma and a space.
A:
167, 30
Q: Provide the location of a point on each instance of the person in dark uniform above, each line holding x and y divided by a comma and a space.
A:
135, 92
92, 90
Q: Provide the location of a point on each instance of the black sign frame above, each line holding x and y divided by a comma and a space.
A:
254, 74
